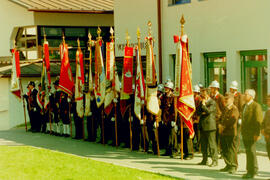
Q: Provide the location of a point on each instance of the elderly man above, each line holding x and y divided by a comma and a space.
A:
251, 123
207, 126
228, 132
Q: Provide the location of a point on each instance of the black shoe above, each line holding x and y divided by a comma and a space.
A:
203, 163
214, 164
248, 176
232, 170
226, 169
188, 157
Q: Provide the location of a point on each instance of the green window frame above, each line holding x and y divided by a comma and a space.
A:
253, 64
208, 65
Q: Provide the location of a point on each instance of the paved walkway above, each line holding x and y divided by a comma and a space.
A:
163, 165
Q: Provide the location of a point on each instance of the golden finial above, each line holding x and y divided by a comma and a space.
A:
44, 34
127, 38
89, 41
98, 33
79, 45
89, 36
111, 31
149, 24
182, 22
63, 36
138, 33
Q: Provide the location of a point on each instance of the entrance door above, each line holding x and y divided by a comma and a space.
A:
215, 69
254, 74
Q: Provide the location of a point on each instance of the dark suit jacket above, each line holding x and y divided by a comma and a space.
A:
229, 120
207, 115
252, 118
266, 123
239, 102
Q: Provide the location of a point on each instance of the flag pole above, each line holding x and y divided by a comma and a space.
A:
130, 125
182, 22
115, 94
139, 50
83, 133
20, 81
50, 117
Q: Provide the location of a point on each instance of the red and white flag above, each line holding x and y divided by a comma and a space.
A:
16, 73
79, 83
47, 61
140, 86
66, 82
183, 84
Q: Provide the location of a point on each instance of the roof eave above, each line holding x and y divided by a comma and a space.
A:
71, 11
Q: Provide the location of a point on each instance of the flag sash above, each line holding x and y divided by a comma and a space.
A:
150, 63
128, 70
16, 72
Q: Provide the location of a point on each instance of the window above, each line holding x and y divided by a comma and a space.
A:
254, 74
174, 2
215, 69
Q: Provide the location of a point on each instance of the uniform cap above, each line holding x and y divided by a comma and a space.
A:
214, 84
234, 85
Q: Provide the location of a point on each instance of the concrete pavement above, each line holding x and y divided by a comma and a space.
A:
187, 169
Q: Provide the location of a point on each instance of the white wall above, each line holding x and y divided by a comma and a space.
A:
129, 15
11, 15
4, 105
218, 25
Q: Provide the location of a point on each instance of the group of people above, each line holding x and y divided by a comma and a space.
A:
218, 123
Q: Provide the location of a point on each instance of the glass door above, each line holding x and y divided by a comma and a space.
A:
254, 74
215, 69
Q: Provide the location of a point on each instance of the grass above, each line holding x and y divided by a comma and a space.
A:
26, 163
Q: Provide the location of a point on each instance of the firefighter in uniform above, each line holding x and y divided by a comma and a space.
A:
219, 99
207, 126
228, 132
238, 102
196, 118
168, 117
56, 108
33, 108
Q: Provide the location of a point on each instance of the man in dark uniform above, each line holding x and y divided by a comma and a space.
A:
266, 127
55, 105
26, 96
207, 126
91, 119
40, 101
64, 107
219, 99
168, 117
228, 133
238, 102
196, 118
33, 108
251, 124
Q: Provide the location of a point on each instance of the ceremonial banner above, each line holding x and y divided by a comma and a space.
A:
47, 61
185, 100
139, 87
44, 86
79, 83
152, 101
89, 81
16, 73
110, 60
150, 63
128, 70
100, 79
66, 83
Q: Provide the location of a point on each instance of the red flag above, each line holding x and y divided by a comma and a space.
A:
150, 63
128, 70
185, 100
66, 79
47, 60
16, 73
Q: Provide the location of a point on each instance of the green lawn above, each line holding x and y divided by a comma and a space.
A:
23, 162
